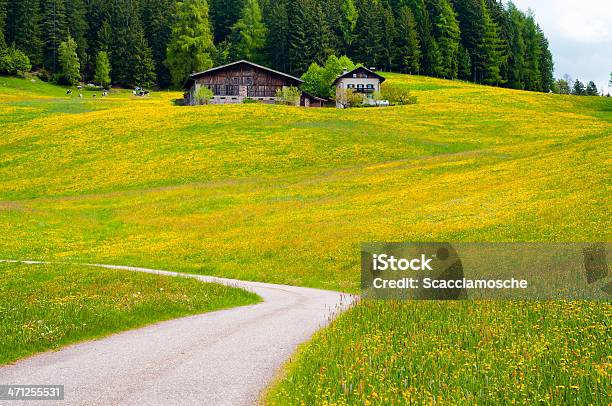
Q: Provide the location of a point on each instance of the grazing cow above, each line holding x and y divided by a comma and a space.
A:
69, 92
94, 96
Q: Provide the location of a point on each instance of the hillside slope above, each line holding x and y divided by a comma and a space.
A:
286, 195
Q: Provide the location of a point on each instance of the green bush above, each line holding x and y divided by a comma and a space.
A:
14, 62
397, 95
203, 95
289, 96
248, 100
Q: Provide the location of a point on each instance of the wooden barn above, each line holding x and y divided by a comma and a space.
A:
237, 81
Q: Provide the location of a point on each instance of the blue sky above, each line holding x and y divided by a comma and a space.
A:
580, 36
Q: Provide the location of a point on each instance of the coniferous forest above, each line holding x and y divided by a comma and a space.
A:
160, 42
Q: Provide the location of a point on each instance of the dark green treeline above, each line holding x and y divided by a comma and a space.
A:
483, 41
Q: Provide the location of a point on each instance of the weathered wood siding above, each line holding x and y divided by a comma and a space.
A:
240, 79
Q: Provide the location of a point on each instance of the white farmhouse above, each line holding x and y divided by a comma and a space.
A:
361, 80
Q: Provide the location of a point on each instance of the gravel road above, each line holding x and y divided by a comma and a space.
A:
226, 357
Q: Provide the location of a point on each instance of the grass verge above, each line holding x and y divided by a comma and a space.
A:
44, 307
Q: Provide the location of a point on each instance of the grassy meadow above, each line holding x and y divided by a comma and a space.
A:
286, 195
46, 306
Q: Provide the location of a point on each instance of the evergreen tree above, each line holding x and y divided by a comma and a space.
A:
546, 63
144, 67
408, 49
297, 36
2, 23
223, 15
23, 29
578, 88
157, 19
104, 38
465, 64
516, 56
501, 18
481, 39
429, 52
76, 17
277, 41
103, 70
490, 50
191, 45
348, 23
446, 34
249, 33
309, 35
69, 62
54, 31
591, 89
533, 75
368, 44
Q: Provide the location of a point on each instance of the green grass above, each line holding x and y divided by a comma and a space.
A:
286, 195
485, 353
44, 307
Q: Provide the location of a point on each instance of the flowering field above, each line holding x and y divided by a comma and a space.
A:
46, 306
489, 353
286, 195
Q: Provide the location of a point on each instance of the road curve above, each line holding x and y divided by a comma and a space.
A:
225, 357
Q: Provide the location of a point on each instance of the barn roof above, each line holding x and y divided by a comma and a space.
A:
359, 68
194, 76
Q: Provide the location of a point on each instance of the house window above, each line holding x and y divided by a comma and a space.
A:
354, 75
248, 81
370, 86
350, 86
359, 86
236, 81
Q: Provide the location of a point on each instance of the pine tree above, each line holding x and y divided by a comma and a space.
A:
2, 23
546, 63
23, 29
408, 49
249, 33
309, 35
429, 52
104, 38
348, 23
389, 33
297, 36
69, 62
103, 70
368, 44
144, 67
501, 18
446, 33
76, 17
490, 50
578, 88
157, 19
533, 75
191, 45
481, 39
277, 41
516, 56
54, 31
465, 64
591, 89
223, 15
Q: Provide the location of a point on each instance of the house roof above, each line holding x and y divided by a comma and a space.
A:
359, 68
310, 96
194, 76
